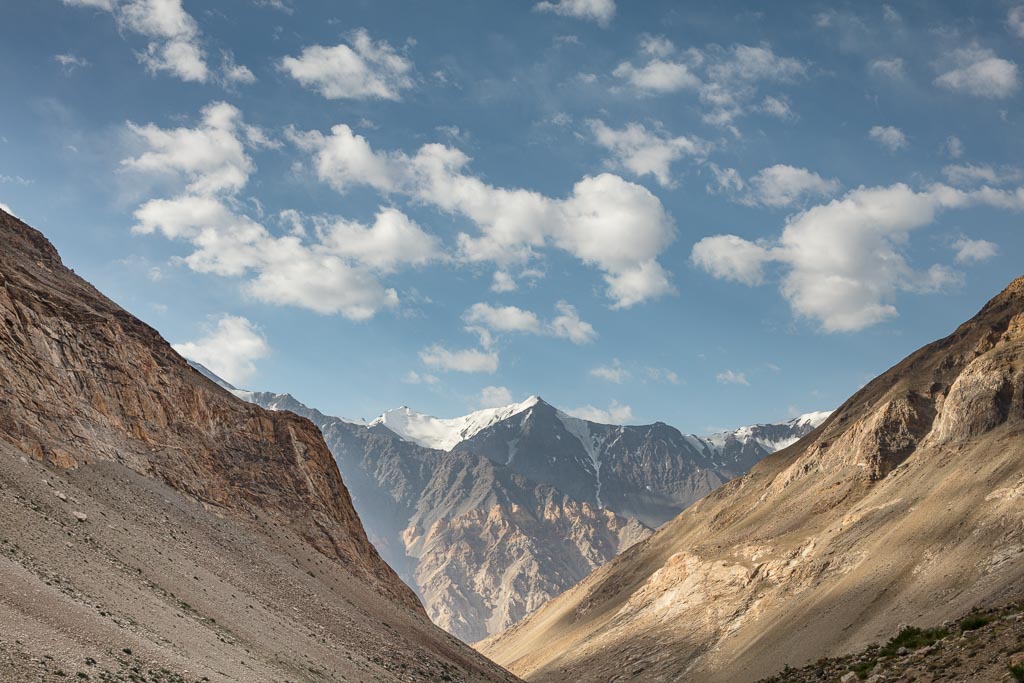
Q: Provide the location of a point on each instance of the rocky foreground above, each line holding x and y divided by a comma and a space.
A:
985, 645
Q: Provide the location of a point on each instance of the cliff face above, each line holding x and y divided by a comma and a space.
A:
905, 506
88, 387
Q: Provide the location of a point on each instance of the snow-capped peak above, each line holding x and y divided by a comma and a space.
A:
812, 420
444, 434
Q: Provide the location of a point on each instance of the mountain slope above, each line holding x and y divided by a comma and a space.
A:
905, 506
526, 502
143, 509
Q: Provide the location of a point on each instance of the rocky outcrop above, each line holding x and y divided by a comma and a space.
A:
903, 507
87, 389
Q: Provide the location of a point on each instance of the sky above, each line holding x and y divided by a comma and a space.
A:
707, 216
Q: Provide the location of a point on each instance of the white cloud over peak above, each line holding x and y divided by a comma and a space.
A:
600, 11
484, 319
977, 71
612, 373
615, 414
461, 360
6, 208
617, 226
363, 69
230, 349
890, 137
643, 152
413, 377
974, 251
844, 261
494, 397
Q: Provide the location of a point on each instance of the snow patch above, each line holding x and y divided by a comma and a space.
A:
446, 434
591, 444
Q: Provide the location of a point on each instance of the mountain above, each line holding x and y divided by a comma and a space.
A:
904, 507
154, 527
490, 515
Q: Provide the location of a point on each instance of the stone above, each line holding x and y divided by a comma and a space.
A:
903, 652
80, 516
60, 494
848, 677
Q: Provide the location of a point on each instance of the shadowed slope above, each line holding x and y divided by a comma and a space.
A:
905, 506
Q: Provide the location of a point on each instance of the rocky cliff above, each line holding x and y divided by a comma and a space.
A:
905, 506
91, 395
524, 502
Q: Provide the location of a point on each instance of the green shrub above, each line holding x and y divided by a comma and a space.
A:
974, 621
912, 638
1017, 672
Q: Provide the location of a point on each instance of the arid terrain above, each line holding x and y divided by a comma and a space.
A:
905, 507
152, 525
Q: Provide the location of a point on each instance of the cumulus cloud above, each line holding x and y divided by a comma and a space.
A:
494, 397
890, 68
617, 226
730, 377
890, 137
612, 373
175, 43
1015, 20
230, 349
974, 251
600, 11
843, 261
978, 72
777, 186
413, 377
976, 174
484, 319
334, 270
954, 147
461, 360
70, 63
662, 375
646, 152
726, 80
503, 282
363, 69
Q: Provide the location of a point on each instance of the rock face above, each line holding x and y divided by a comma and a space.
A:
87, 388
905, 506
524, 502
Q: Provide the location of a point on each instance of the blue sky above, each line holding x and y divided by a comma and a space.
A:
708, 217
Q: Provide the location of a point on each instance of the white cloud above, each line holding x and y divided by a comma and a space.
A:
980, 73
730, 377
658, 76
463, 360
644, 152
230, 349
481, 317
233, 73
334, 271
656, 46
777, 107
607, 222
975, 174
890, 68
954, 147
890, 137
1015, 20
844, 260
503, 318
364, 70
413, 377
728, 257
600, 11
612, 373
494, 397
175, 44
69, 62
783, 185
616, 413
567, 325
662, 375
726, 180
503, 282
974, 251
7, 209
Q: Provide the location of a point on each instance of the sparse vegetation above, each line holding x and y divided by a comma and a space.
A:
1017, 671
973, 622
912, 638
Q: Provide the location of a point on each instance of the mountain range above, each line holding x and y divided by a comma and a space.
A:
489, 515
905, 507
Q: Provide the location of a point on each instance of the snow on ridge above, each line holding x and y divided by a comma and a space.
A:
446, 433
580, 428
